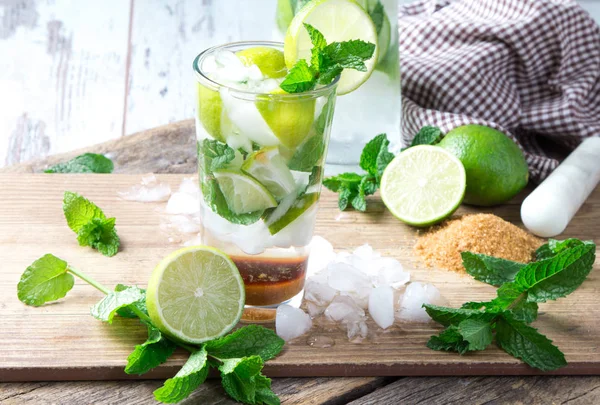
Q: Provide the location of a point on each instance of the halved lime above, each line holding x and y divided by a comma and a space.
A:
195, 294
243, 192
290, 119
423, 185
269, 60
338, 21
288, 211
209, 110
268, 167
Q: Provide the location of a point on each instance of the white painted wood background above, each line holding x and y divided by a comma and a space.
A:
78, 72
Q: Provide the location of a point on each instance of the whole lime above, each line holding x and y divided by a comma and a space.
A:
495, 166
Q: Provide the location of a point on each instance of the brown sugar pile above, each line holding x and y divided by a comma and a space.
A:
477, 233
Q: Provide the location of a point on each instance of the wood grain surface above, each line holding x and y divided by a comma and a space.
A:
38, 342
142, 153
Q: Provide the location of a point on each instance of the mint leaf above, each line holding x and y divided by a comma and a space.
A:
525, 311
553, 247
375, 156
141, 305
242, 380
106, 309
308, 154
377, 14
427, 135
347, 194
300, 78
490, 270
368, 185
90, 224
477, 332
316, 38
349, 54
215, 155
335, 183
526, 343
86, 163
315, 176
450, 340
251, 340
150, 354
453, 316
329, 72
44, 280
558, 276
79, 210
192, 374
100, 234
506, 295
358, 201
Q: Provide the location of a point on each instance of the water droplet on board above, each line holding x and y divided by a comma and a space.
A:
319, 341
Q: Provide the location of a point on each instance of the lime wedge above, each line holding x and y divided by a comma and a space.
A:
268, 167
195, 294
338, 21
209, 110
423, 185
243, 193
288, 211
269, 60
290, 120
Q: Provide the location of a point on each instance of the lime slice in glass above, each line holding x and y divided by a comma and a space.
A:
338, 21
269, 60
195, 294
423, 185
289, 211
243, 192
268, 167
209, 110
290, 120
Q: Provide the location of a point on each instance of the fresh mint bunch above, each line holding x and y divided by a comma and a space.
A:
561, 267
239, 357
352, 187
86, 163
327, 62
90, 224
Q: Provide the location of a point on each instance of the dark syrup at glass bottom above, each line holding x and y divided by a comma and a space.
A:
270, 281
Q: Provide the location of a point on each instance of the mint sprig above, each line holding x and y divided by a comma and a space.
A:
561, 268
90, 224
327, 62
239, 356
353, 188
86, 163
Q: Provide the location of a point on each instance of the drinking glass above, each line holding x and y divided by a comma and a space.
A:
256, 149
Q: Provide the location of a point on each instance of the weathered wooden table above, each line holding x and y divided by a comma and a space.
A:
171, 149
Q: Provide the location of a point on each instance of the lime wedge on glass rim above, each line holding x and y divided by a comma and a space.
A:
338, 21
268, 167
243, 193
195, 294
423, 185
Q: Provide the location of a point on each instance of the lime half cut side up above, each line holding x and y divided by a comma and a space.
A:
195, 294
423, 185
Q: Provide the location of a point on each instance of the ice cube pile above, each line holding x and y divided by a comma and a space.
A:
149, 190
347, 288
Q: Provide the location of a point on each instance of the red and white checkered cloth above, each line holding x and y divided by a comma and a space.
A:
530, 68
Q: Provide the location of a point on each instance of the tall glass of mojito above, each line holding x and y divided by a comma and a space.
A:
260, 162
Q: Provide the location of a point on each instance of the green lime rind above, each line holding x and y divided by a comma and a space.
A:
270, 61
209, 110
243, 193
268, 167
276, 221
195, 294
423, 185
495, 166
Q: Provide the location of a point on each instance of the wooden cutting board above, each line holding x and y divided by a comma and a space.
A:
61, 341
